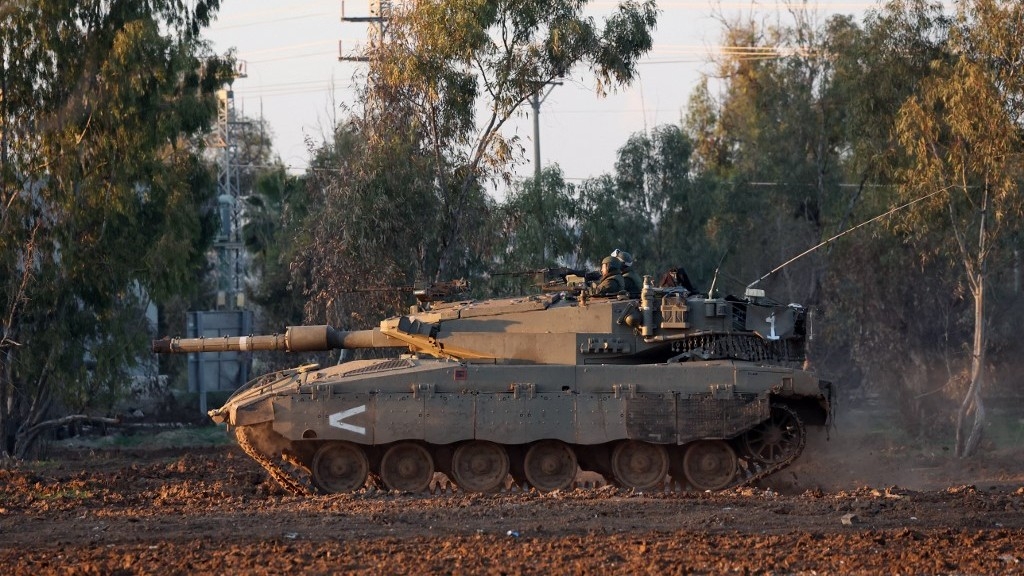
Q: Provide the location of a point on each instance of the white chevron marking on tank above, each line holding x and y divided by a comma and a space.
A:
337, 418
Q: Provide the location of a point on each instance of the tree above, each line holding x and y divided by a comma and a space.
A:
400, 191
871, 328
278, 205
538, 228
962, 133
102, 109
440, 58
772, 143
654, 206
370, 224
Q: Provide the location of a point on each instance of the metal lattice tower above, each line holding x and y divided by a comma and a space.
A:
230, 318
228, 244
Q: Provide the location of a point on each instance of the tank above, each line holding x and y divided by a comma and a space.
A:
668, 389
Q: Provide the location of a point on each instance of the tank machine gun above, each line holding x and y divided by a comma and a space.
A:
555, 279
705, 390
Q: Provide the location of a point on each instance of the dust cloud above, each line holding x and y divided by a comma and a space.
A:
868, 449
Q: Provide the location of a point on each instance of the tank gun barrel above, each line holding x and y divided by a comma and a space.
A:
295, 339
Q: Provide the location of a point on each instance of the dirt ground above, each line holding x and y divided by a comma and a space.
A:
849, 506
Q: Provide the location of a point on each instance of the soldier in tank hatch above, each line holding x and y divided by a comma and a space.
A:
630, 278
611, 281
677, 277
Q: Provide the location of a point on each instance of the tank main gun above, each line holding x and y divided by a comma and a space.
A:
320, 338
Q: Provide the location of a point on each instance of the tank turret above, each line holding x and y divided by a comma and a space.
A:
664, 325
671, 386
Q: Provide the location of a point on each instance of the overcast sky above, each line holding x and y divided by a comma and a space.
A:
296, 82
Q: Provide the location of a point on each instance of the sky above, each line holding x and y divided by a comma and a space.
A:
296, 82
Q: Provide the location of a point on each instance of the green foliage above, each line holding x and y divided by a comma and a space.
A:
961, 134
399, 193
278, 205
877, 286
655, 206
439, 58
537, 231
371, 229
103, 106
539, 217
781, 152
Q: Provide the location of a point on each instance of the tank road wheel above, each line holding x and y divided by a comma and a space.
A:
340, 467
709, 464
780, 437
407, 467
480, 466
550, 465
639, 465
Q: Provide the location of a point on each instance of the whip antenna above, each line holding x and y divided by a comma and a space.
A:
841, 234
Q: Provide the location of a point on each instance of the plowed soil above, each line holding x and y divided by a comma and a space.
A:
843, 509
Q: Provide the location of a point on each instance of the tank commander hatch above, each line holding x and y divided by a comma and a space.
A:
611, 282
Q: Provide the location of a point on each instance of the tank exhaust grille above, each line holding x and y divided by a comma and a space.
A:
395, 364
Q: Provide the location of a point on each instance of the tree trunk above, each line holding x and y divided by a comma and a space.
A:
27, 436
967, 440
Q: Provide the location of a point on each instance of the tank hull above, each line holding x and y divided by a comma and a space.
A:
593, 416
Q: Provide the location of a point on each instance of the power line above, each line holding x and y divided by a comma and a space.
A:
249, 54
218, 25
295, 57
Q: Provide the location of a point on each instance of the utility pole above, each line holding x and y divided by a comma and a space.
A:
536, 99
380, 10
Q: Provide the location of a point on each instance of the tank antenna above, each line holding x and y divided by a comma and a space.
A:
714, 279
843, 233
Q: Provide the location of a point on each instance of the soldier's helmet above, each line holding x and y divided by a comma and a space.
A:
614, 264
625, 257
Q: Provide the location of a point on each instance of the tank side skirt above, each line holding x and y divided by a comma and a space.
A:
516, 414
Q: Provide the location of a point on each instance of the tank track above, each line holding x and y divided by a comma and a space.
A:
295, 478
294, 481
751, 470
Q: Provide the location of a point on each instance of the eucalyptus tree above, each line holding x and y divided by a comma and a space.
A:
962, 134
654, 205
773, 139
538, 223
102, 109
458, 71
370, 198
659, 184
872, 327
278, 205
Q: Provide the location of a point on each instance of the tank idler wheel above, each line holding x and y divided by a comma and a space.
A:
639, 465
550, 465
340, 467
709, 464
480, 466
407, 467
780, 437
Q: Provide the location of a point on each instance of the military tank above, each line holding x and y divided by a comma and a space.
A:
671, 387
